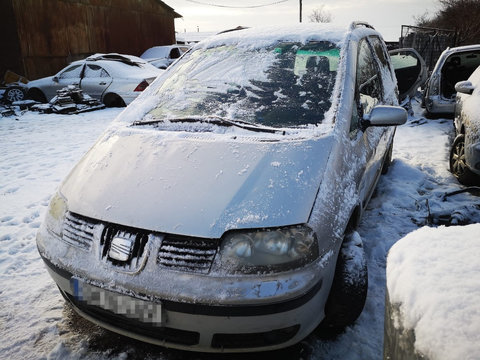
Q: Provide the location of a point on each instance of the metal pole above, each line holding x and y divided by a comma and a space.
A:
300, 10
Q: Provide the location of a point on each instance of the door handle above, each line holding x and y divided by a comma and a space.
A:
102, 83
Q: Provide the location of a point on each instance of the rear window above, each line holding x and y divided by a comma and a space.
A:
285, 85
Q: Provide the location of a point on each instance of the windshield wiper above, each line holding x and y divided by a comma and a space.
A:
216, 120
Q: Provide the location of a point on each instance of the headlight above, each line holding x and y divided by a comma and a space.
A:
56, 214
271, 249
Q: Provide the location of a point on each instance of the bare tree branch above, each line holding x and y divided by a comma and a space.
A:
320, 15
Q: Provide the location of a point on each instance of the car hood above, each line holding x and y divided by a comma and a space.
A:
197, 185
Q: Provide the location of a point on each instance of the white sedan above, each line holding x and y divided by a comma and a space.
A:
114, 79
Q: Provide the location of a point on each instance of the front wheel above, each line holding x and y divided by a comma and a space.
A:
458, 165
350, 284
14, 93
37, 95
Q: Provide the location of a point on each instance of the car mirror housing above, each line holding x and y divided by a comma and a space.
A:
384, 115
55, 79
464, 87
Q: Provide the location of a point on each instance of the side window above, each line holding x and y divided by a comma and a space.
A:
72, 72
95, 71
380, 51
368, 91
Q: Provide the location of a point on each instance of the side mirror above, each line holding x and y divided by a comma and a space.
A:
55, 79
464, 87
384, 115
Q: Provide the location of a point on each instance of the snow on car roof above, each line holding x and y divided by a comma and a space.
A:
268, 35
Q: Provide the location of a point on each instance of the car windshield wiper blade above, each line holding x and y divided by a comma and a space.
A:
216, 120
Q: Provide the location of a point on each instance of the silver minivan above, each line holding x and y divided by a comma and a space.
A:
218, 211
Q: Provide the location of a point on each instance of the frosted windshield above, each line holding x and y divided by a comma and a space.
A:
285, 85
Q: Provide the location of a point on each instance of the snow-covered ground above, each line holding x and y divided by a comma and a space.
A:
36, 153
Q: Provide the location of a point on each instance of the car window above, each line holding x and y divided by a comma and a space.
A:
175, 53
95, 71
403, 60
368, 84
289, 84
71, 72
380, 52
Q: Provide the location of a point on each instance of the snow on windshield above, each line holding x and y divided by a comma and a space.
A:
285, 85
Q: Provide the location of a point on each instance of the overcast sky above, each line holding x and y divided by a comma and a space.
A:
386, 16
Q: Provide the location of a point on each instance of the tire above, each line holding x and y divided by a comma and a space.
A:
458, 166
349, 288
14, 93
36, 95
113, 100
388, 160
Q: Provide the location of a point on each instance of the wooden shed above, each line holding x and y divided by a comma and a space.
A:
42, 36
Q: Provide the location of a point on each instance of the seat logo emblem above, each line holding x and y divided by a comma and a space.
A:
121, 248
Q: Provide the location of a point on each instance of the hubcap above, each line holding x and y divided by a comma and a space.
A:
458, 159
15, 95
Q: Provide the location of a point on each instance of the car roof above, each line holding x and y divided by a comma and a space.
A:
462, 48
302, 33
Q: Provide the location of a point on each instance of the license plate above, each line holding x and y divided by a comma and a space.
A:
144, 311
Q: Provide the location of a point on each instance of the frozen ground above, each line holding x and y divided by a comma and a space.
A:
37, 151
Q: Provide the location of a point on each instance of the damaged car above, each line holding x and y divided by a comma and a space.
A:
218, 212
454, 65
114, 79
465, 151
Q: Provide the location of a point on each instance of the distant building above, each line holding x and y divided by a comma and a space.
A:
42, 36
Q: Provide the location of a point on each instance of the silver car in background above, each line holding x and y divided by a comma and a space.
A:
453, 65
162, 56
114, 79
465, 151
218, 211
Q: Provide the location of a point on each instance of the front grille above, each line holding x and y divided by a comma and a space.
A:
187, 254
133, 256
78, 231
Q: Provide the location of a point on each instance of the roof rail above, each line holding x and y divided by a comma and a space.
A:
356, 24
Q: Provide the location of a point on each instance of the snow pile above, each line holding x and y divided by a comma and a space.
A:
433, 274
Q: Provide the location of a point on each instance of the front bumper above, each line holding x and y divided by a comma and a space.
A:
192, 312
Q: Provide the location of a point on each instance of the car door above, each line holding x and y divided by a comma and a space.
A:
95, 81
410, 71
369, 92
69, 76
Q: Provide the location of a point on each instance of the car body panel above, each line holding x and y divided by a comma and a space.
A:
219, 182
409, 67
